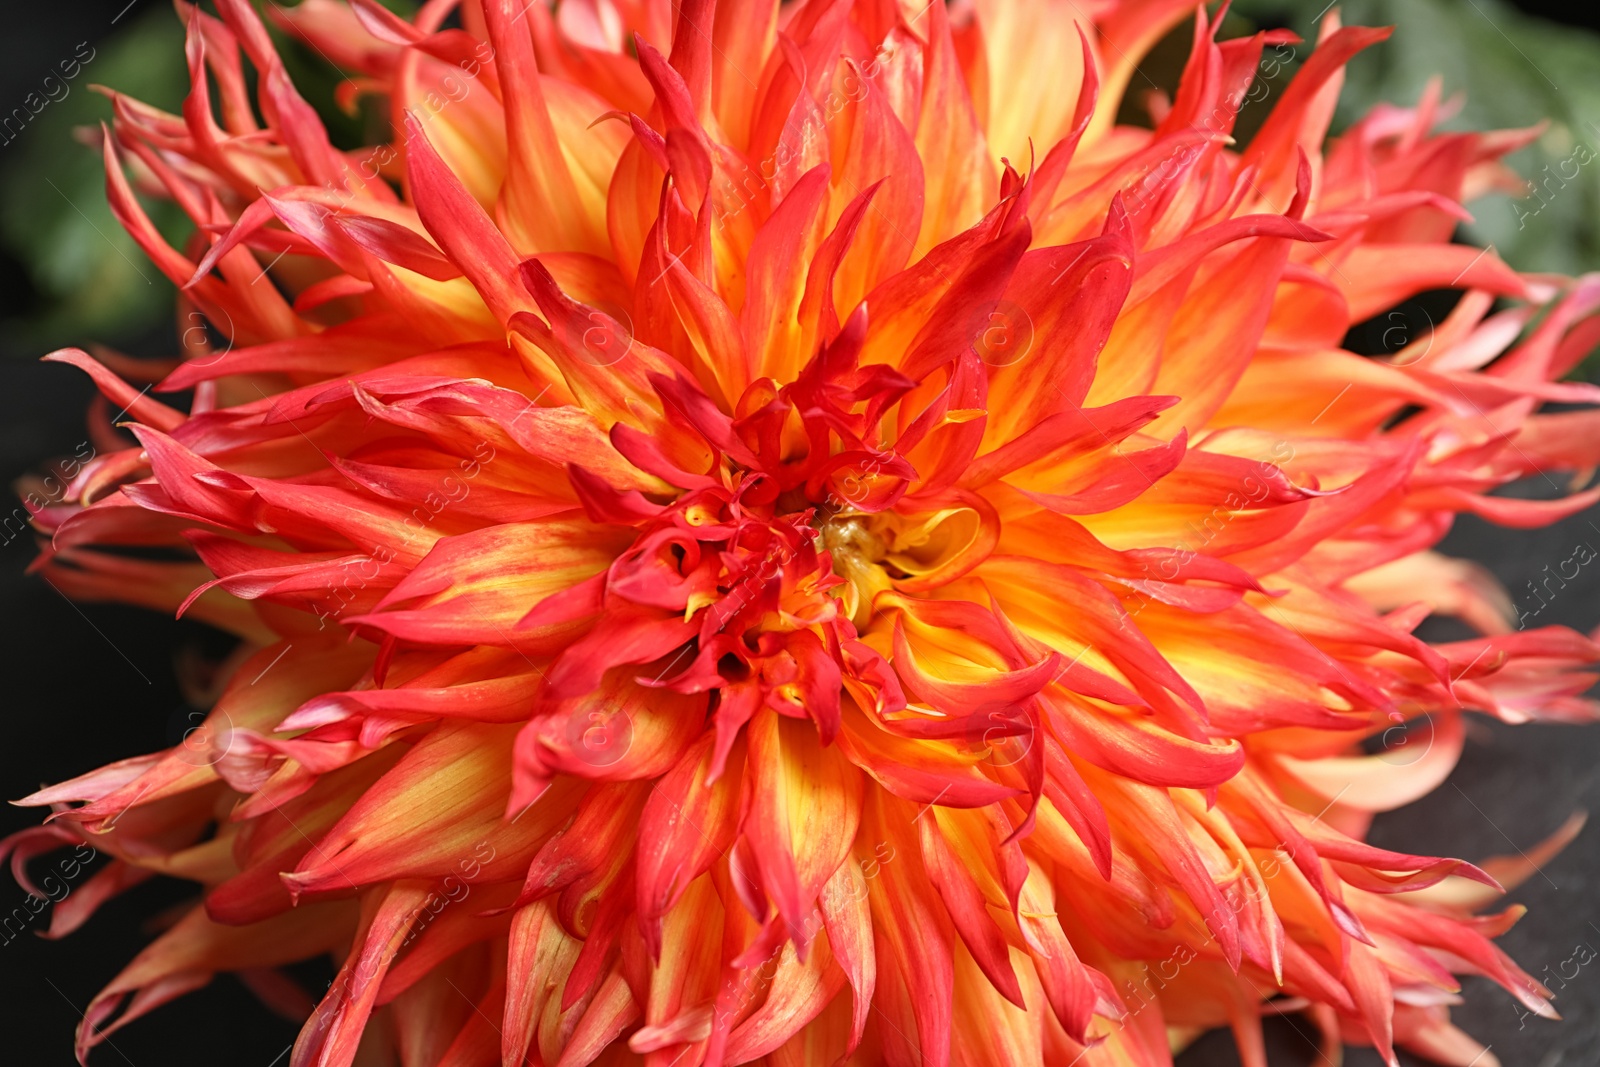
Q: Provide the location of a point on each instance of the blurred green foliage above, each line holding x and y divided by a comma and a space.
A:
92, 280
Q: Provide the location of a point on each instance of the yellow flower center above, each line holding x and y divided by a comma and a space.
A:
857, 552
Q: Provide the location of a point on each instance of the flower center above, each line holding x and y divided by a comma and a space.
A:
857, 552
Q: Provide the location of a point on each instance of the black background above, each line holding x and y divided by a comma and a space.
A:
93, 683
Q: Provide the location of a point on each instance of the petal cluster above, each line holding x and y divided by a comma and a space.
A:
789, 535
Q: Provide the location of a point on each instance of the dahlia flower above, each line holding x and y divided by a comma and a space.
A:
787, 535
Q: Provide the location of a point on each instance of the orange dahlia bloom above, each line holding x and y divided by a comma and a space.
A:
787, 535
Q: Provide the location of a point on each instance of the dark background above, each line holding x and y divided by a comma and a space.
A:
93, 683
